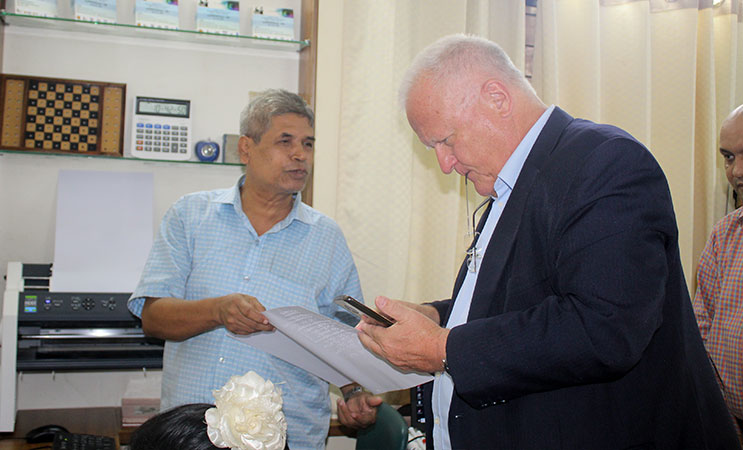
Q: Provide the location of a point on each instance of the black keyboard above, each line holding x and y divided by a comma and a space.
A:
76, 441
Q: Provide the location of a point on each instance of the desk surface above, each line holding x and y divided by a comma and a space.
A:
99, 421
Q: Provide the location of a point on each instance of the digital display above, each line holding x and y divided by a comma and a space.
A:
29, 304
162, 107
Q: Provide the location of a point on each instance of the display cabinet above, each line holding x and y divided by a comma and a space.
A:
242, 45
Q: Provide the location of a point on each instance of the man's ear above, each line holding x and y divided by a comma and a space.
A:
496, 96
244, 144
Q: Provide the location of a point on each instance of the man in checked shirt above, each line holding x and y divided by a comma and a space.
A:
718, 303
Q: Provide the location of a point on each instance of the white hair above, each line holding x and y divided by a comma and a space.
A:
458, 53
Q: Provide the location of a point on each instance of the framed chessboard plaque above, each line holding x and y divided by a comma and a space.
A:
62, 115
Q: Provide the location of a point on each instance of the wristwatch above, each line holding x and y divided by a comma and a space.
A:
446, 366
356, 389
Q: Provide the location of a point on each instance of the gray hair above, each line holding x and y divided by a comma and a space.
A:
459, 53
255, 119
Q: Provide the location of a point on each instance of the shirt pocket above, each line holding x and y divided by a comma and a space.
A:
276, 291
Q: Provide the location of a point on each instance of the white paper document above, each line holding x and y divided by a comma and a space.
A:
103, 232
328, 349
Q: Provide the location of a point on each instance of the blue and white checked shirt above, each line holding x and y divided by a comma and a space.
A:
207, 247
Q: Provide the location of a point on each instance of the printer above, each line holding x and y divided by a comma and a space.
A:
41, 330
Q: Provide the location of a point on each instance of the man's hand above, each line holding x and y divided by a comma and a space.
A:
414, 343
176, 319
241, 314
359, 411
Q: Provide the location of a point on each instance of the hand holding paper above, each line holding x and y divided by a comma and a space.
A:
328, 349
413, 343
242, 314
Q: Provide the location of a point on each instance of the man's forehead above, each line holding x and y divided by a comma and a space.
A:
422, 124
731, 134
732, 126
291, 123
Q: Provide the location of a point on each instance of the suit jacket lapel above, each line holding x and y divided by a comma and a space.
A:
484, 298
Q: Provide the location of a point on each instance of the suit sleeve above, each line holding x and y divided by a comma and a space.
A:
442, 306
606, 259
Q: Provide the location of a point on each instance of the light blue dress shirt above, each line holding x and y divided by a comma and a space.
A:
207, 247
443, 385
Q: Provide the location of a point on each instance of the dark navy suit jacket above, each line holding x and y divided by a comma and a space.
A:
581, 333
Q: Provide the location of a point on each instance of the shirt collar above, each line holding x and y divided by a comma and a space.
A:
510, 172
232, 197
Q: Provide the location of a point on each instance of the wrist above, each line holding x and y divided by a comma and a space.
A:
357, 389
446, 366
442, 350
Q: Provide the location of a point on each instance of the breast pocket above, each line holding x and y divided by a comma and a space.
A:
275, 291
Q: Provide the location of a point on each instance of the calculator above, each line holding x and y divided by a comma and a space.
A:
161, 129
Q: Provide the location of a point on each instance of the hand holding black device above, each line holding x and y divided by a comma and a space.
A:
357, 308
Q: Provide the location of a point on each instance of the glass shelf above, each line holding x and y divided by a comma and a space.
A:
110, 157
120, 29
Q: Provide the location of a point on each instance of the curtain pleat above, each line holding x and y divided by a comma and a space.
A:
666, 73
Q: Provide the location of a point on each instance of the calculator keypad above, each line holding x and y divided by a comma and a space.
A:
161, 138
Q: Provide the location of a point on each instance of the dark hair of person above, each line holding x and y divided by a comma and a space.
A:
182, 427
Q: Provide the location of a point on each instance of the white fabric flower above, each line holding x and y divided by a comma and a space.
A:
248, 415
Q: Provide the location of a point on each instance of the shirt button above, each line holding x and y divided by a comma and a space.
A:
221, 359
436, 420
246, 277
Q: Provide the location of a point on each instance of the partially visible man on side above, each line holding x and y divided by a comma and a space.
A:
222, 257
718, 303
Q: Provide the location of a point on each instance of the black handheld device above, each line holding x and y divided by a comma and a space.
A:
356, 307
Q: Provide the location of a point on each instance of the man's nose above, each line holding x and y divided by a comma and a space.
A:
445, 157
299, 152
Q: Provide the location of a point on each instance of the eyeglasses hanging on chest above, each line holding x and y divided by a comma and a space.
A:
474, 253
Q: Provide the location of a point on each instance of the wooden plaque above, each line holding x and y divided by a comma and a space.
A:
61, 115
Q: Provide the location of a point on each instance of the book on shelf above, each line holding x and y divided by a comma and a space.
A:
156, 14
95, 10
218, 16
42, 8
273, 24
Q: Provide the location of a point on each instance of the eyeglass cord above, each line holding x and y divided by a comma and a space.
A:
472, 250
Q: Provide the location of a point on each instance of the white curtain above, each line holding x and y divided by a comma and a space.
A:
403, 219
666, 71
668, 75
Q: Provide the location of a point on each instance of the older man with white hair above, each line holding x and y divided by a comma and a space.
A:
570, 325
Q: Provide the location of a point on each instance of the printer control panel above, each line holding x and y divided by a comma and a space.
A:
64, 306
